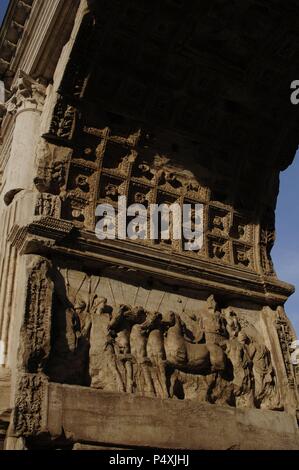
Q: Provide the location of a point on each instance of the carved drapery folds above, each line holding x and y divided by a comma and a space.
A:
209, 354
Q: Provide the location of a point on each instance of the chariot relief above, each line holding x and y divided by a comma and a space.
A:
156, 106
123, 346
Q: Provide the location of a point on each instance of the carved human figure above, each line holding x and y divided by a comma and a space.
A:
213, 319
73, 325
265, 391
242, 258
215, 332
218, 251
48, 206
82, 320
121, 325
103, 366
138, 343
120, 328
232, 323
242, 370
218, 222
131, 350
156, 352
45, 205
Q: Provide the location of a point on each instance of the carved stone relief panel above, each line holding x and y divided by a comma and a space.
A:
52, 164
243, 255
30, 404
36, 328
119, 337
30, 400
64, 120
219, 249
48, 205
286, 337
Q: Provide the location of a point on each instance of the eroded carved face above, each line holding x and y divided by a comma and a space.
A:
82, 182
140, 198
111, 190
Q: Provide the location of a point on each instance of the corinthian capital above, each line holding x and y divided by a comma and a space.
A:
26, 94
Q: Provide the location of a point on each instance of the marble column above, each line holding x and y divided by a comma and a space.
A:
26, 104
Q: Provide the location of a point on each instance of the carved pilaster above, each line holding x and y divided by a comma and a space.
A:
286, 338
31, 398
30, 402
25, 105
35, 332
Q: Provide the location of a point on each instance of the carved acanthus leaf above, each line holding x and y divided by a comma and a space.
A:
27, 93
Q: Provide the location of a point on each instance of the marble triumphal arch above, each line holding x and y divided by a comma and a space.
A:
141, 343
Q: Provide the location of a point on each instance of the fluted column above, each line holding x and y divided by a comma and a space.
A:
26, 105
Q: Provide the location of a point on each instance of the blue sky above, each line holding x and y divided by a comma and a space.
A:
286, 250
3, 6
285, 253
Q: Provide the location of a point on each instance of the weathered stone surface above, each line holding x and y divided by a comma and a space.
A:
92, 416
91, 447
158, 343
127, 343
5, 409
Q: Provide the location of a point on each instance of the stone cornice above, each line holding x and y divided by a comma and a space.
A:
11, 34
49, 236
32, 36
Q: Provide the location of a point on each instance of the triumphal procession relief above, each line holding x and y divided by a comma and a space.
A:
210, 355
141, 341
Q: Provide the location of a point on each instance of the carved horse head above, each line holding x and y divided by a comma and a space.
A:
127, 317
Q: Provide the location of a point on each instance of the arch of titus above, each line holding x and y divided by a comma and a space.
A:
123, 343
